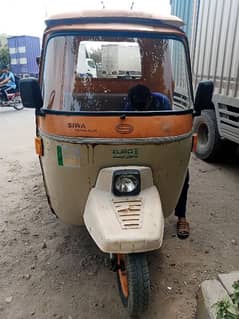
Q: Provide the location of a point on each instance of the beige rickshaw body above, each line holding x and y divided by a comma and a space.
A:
81, 152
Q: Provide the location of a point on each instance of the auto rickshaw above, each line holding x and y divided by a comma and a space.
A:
118, 172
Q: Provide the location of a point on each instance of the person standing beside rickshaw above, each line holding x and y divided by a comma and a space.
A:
140, 98
7, 82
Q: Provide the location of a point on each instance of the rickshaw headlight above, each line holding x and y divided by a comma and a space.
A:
126, 182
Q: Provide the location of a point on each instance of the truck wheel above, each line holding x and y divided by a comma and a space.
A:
133, 282
209, 144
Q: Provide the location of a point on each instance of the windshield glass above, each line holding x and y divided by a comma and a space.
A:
115, 74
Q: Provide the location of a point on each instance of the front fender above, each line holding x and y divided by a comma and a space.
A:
125, 224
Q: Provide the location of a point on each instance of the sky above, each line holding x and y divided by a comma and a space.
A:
26, 17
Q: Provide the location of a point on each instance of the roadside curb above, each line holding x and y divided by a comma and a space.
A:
212, 291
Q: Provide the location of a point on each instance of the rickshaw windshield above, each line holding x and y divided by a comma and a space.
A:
96, 73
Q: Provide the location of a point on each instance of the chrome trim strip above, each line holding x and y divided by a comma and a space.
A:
90, 140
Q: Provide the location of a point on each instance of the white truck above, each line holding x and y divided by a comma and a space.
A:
85, 65
212, 27
121, 60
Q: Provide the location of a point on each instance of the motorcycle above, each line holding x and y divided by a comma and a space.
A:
13, 98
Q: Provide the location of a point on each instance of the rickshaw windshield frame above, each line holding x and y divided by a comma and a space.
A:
139, 34
121, 114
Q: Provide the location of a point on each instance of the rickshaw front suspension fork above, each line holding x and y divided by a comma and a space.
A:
115, 265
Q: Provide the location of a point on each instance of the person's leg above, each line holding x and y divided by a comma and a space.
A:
8, 89
180, 211
3, 93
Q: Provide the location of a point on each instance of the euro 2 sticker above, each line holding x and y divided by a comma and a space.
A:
125, 153
68, 156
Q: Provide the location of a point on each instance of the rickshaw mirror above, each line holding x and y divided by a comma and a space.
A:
203, 98
31, 93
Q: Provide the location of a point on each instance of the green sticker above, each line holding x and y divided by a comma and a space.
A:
59, 155
68, 156
126, 153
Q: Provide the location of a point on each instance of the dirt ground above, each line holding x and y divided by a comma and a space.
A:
51, 270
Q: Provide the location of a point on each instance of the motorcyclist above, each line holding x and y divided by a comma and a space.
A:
7, 82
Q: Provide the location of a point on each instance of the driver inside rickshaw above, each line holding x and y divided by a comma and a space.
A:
140, 98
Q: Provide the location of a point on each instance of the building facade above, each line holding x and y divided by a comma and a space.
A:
23, 53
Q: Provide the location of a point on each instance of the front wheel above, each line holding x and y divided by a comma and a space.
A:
133, 282
17, 103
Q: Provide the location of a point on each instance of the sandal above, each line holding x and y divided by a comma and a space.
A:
183, 229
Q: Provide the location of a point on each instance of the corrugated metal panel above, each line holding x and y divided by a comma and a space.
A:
183, 10
212, 27
33, 51
217, 46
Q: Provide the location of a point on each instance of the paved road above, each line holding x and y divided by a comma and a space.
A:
17, 132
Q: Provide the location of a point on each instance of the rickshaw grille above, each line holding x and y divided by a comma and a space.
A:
129, 213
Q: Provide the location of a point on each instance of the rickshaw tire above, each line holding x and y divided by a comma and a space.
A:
210, 145
138, 284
